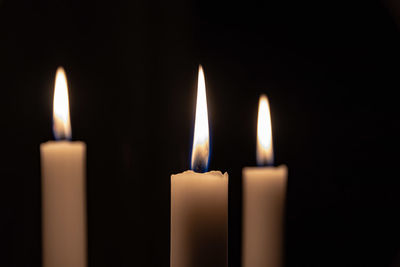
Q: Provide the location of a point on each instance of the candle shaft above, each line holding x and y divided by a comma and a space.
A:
263, 209
63, 204
199, 219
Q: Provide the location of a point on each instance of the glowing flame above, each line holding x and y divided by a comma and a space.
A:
201, 147
61, 121
265, 152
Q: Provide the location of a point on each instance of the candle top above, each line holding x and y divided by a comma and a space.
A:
210, 173
266, 169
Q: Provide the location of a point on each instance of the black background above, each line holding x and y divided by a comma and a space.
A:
330, 70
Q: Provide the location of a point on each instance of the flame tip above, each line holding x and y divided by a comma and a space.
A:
60, 70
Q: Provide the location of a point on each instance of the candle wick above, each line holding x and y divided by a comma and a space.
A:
199, 166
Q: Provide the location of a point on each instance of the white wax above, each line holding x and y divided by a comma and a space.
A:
64, 204
264, 190
199, 219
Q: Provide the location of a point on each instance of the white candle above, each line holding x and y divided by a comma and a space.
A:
264, 190
63, 189
199, 202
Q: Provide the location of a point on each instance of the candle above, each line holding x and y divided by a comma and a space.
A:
199, 202
63, 188
263, 200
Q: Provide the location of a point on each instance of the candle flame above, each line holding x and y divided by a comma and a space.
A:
265, 152
61, 120
200, 149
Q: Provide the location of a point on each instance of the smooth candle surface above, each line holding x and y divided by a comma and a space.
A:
264, 190
64, 204
199, 219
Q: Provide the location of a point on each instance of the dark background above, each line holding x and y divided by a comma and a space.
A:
330, 69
